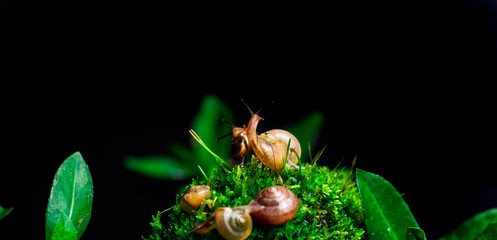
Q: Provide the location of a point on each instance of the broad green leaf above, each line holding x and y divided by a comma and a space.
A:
307, 130
4, 212
490, 232
64, 230
208, 124
161, 167
415, 234
472, 227
72, 195
386, 214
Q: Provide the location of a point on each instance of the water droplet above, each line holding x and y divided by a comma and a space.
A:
388, 229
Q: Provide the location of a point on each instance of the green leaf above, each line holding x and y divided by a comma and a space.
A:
208, 124
490, 233
4, 212
307, 130
161, 167
472, 227
386, 214
72, 195
415, 234
64, 230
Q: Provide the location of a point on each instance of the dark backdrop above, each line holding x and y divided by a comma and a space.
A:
405, 86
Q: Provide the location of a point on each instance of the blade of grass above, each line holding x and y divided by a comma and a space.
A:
219, 160
350, 173
309, 149
207, 123
318, 155
203, 173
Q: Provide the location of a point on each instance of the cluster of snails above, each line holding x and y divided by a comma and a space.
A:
269, 147
272, 206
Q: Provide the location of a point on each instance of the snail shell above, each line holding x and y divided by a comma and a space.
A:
194, 197
231, 223
277, 204
282, 136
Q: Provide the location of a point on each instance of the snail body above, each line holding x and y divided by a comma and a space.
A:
194, 197
231, 223
269, 147
276, 205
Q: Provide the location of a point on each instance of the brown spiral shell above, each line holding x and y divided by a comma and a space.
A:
277, 204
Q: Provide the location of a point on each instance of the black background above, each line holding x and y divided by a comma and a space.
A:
405, 86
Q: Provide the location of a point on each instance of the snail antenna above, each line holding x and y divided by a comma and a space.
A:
231, 124
225, 135
250, 110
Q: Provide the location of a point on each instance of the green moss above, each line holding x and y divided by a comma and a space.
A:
329, 203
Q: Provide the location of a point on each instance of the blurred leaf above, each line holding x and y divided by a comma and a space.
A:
490, 232
64, 230
183, 152
185, 161
472, 227
161, 167
415, 234
72, 196
386, 214
208, 125
307, 131
4, 212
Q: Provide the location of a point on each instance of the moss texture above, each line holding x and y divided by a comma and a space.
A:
329, 203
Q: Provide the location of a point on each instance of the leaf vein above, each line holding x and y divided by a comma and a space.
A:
73, 189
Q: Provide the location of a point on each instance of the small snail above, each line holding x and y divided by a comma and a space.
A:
239, 144
231, 223
194, 197
277, 205
269, 147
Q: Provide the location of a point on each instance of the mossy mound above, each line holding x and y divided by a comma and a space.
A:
329, 203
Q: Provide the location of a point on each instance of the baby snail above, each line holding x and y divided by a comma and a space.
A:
275, 205
231, 223
194, 197
269, 147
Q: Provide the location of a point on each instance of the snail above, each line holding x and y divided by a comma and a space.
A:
275, 205
231, 223
194, 197
269, 147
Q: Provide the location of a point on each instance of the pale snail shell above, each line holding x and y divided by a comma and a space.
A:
231, 223
194, 197
277, 204
271, 147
